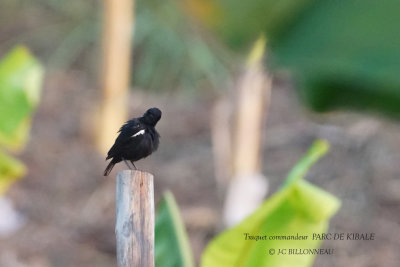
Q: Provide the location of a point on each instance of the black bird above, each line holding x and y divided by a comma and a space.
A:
137, 139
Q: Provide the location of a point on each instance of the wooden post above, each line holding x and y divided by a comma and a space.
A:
134, 226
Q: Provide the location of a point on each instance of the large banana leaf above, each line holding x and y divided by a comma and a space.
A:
172, 247
343, 54
20, 83
299, 208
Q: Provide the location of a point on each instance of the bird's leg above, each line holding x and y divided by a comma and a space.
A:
127, 164
133, 165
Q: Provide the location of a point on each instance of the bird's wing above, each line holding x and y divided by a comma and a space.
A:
129, 130
130, 125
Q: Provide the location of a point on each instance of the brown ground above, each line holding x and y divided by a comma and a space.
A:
69, 205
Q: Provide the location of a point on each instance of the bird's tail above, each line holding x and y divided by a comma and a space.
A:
109, 168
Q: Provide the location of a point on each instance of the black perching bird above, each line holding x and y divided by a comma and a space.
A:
137, 139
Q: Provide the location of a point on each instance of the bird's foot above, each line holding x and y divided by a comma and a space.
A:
127, 164
133, 165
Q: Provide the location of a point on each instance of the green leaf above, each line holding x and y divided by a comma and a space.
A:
172, 247
299, 208
10, 171
319, 148
20, 84
342, 54
345, 54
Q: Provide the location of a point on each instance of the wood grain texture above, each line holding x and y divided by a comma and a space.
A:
134, 227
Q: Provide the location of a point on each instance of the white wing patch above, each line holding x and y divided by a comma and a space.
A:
138, 133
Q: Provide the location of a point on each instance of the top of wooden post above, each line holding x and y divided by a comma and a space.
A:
134, 226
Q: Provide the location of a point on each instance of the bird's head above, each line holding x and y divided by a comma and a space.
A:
152, 116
